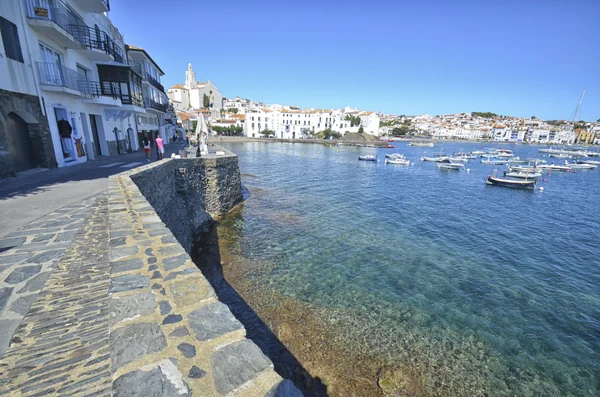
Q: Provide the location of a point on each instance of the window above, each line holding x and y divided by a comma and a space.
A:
10, 38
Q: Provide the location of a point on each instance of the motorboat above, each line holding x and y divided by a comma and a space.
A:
394, 156
504, 154
494, 162
536, 161
580, 166
528, 184
554, 167
523, 168
433, 159
398, 161
516, 160
367, 157
522, 174
449, 165
459, 159
478, 152
421, 144
592, 162
560, 155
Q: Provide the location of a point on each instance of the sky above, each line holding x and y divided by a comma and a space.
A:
521, 58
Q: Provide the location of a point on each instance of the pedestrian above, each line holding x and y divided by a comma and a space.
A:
160, 147
146, 143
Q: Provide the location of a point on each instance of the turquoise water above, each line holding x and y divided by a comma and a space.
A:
480, 290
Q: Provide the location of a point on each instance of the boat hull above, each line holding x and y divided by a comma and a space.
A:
513, 184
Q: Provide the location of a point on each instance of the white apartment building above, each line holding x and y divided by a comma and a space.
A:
80, 97
192, 94
293, 123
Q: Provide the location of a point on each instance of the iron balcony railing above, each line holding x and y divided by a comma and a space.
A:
55, 11
111, 88
161, 107
90, 38
61, 76
154, 82
108, 90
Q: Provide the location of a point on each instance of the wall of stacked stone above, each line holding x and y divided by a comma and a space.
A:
188, 194
169, 332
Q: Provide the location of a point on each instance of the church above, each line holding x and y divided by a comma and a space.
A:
194, 94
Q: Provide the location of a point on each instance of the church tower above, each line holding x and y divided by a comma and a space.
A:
190, 78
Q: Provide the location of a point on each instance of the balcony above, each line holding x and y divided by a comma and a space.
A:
96, 6
97, 45
124, 82
109, 97
54, 20
151, 104
59, 78
154, 82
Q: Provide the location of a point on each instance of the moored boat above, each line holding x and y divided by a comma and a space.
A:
397, 161
554, 167
433, 159
448, 165
580, 166
522, 174
394, 156
367, 157
421, 144
512, 183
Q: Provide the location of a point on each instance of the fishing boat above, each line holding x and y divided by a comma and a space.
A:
522, 174
367, 157
554, 167
421, 144
449, 165
398, 161
512, 183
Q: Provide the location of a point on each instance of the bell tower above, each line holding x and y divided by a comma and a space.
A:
190, 78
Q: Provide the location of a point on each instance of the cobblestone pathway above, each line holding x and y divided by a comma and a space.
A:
27, 259
61, 347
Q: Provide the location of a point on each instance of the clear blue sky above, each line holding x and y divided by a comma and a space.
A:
522, 58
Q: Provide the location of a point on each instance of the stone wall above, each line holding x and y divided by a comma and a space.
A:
169, 333
28, 108
189, 193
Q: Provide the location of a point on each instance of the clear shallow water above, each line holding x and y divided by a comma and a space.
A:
479, 290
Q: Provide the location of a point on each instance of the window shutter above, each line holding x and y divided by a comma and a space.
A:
10, 38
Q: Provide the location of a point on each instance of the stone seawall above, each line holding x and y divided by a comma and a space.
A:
189, 193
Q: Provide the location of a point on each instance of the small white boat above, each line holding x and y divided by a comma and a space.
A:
478, 152
494, 162
592, 162
460, 159
560, 156
398, 161
554, 167
580, 166
523, 168
394, 156
367, 157
450, 166
504, 154
516, 160
522, 174
421, 144
433, 159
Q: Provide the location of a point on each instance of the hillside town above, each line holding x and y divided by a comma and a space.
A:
245, 117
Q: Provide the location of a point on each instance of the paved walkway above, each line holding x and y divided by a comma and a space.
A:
35, 193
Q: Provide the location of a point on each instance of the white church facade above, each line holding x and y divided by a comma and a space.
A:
194, 94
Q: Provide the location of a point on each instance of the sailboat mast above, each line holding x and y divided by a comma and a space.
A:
578, 107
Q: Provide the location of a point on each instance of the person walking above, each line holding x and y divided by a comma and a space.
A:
160, 147
146, 143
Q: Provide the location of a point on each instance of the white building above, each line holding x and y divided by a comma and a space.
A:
293, 123
69, 56
192, 94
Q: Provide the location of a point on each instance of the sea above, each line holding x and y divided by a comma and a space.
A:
461, 288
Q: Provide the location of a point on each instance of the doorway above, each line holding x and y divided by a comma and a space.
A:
65, 130
93, 123
89, 142
19, 143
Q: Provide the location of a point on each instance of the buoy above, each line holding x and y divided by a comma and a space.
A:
574, 171
468, 170
543, 179
541, 189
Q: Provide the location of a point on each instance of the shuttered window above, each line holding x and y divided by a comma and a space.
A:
10, 38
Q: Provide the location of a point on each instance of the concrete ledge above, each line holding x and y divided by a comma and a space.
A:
167, 328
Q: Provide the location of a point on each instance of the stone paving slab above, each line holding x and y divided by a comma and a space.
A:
61, 347
27, 259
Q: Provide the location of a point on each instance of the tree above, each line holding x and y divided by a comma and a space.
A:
403, 130
361, 130
205, 101
533, 118
232, 130
232, 110
354, 120
267, 132
485, 115
194, 123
